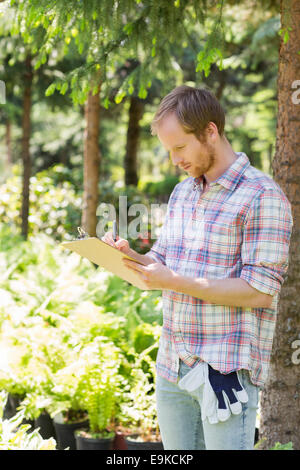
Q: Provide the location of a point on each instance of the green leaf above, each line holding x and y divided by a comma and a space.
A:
143, 93
206, 58
45, 22
64, 88
44, 58
80, 47
286, 37
119, 97
51, 89
285, 33
279, 446
106, 103
128, 28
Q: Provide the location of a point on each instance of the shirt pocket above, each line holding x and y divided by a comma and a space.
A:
223, 240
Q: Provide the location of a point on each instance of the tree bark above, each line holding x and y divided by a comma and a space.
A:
25, 146
280, 402
8, 143
133, 132
91, 164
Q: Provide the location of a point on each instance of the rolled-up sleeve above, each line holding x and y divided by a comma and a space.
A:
266, 240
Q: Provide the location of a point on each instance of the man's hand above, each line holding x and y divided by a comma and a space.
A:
156, 276
120, 243
123, 245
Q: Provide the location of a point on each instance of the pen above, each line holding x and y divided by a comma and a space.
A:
115, 230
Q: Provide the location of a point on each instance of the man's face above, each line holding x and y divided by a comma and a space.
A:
186, 152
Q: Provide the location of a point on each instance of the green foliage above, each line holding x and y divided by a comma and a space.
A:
101, 387
68, 339
287, 446
110, 32
138, 411
15, 436
285, 33
54, 208
207, 57
144, 336
249, 64
158, 188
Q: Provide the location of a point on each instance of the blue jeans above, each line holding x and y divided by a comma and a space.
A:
181, 426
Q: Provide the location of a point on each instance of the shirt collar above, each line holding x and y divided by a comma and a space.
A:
230, 178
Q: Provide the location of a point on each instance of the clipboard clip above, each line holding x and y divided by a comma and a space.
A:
82, 234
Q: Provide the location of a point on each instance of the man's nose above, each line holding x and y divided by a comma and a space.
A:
175, 158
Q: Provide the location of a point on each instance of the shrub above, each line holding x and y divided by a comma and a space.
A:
15, 436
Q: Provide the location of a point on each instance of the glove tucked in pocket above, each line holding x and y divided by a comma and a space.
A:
218, 394
229, 392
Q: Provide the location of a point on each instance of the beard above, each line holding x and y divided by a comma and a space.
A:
207, 157
208, 161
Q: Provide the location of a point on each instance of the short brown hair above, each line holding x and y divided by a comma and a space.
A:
193, 107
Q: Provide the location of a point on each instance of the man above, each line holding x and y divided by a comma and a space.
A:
220, 261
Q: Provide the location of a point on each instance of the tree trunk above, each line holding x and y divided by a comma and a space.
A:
25, 146
281, 396
222, 83
91, 163
130, 162
8, 143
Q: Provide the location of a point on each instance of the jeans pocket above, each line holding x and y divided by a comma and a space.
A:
251, 389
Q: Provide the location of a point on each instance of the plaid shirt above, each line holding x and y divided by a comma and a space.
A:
239, 227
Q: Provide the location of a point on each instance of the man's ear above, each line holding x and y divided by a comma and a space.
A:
212, 131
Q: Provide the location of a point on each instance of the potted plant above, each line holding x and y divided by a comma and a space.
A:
101, 389
138, 420
65, 404
34, 406
15, 378
15, 436
100, 402
40, 370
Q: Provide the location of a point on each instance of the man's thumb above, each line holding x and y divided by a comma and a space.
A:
121, 244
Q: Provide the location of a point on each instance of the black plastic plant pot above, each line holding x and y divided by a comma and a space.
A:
45, 423
65, 433
91, 443
13, 401
119, 442
133, 443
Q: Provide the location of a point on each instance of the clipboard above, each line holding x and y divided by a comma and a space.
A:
107, 257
